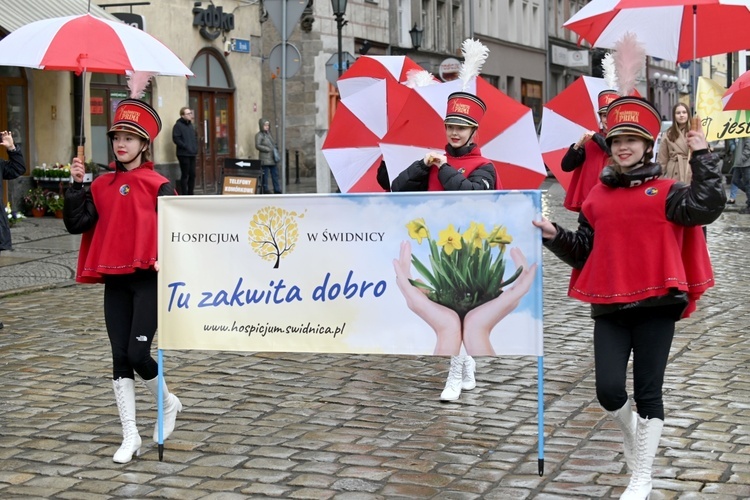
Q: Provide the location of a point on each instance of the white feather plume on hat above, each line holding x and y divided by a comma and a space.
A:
419, 78
137, 83
475, 54
630, 59
609, 71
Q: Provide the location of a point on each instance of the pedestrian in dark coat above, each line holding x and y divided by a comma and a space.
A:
741, 170
9, 169
184, 136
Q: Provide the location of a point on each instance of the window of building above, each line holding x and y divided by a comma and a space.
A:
456, 40
209, 72
428, 40
404, 18
531, 96
443, 27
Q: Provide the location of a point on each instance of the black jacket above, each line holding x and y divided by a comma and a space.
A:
9, 170
574, 158
183, 135
416, 175
698, 203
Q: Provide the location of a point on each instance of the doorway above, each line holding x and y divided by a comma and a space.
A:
214, 122
211, 97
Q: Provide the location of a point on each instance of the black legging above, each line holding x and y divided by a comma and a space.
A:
648, 332
130, 313
187, 174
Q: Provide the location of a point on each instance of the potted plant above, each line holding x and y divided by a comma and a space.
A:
36, 201
55, 204
12, 215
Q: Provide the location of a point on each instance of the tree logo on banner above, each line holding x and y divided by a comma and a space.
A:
273, 233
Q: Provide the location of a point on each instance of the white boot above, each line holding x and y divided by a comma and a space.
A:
453, 385
647, 442
627, 420
131, 441
468, 382
172, 406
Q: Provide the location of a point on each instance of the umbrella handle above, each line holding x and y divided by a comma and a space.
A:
80, 153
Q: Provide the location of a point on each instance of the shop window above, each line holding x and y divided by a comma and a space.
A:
531, 96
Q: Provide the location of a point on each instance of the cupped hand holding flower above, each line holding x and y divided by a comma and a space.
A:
444, 321
479, 322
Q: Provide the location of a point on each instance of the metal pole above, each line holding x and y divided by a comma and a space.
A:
695, 50
283, 97
730, 68
296, 167
547, 74
339, 26
471, 19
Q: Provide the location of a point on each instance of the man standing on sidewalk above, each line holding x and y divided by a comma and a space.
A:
183, 135
9, 169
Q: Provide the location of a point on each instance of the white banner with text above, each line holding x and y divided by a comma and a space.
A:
386, 273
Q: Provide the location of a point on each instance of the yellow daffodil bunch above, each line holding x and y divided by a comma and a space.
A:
467, 268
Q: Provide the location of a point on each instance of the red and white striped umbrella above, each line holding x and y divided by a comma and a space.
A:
373, 91
737, 97
506, 135
352, 151
91, 44
675, 30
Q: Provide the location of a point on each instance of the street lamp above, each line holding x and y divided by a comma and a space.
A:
664, 81
416, 37
339, 9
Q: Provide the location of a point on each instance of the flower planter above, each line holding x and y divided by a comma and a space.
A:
59, 214
38, 212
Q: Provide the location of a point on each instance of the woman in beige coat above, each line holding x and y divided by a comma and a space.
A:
673, 150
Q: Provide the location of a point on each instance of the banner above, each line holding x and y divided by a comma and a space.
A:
331, 273
717, 123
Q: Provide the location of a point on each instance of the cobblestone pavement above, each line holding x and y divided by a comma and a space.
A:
360, 427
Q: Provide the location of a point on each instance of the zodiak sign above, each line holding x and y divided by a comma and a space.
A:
212, 21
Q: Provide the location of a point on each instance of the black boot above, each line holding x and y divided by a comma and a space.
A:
1, 325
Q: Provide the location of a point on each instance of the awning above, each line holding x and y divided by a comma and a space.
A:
17, 13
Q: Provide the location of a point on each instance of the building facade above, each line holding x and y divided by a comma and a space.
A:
218, 41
